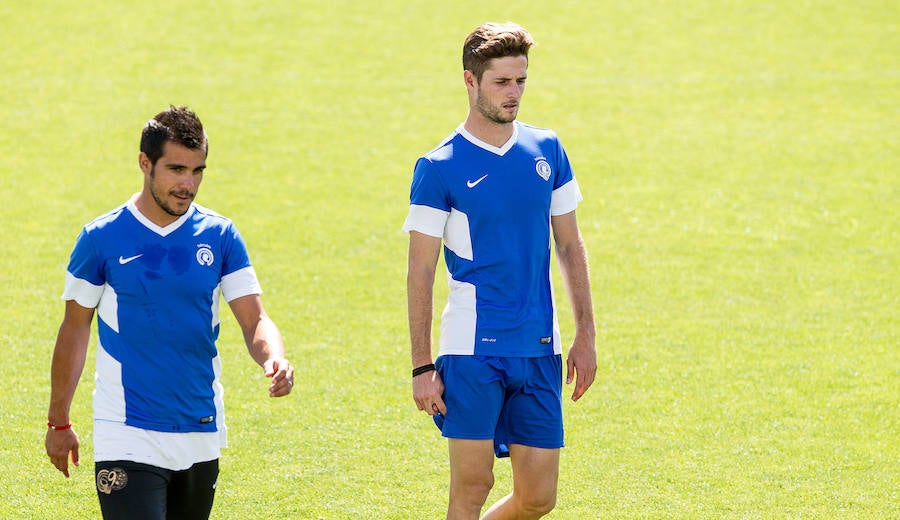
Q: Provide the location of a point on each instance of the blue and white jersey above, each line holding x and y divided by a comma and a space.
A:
157, 292
492, 208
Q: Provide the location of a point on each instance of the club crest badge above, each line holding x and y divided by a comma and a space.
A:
543, 168
205, 255
109, 480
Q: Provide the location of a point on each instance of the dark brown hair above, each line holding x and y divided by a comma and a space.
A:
177, 124
494, 40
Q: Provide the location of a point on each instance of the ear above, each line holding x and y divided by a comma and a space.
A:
470, 79
145, 163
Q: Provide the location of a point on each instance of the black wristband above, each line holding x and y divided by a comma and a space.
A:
422, 369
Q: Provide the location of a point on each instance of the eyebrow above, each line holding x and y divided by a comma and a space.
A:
177, 166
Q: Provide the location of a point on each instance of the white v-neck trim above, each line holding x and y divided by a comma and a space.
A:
162, 231
501, 151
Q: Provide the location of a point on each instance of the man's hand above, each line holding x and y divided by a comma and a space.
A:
427, 391
282, 374
59, 444
581, 365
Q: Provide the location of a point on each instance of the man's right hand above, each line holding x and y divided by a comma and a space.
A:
60, 443
427, 391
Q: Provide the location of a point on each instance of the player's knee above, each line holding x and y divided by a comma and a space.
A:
481, 487
474, 488
545, 507
538, 504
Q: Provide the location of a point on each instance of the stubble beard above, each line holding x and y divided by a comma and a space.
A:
494, 113
162, 203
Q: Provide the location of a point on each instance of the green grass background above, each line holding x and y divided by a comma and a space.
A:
740, 165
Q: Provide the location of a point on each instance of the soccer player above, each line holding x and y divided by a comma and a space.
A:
491, 193
154, 270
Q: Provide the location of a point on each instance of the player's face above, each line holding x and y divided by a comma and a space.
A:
500, 90
174, 179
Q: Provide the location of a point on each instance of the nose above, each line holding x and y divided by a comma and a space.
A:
188, 181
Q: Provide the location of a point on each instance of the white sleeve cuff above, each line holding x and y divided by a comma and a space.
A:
240, 283
426, 219
83, 292
565, 199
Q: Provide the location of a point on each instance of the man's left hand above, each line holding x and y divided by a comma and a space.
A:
581, 365
282, 374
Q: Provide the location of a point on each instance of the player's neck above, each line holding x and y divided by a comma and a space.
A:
150, 209
490, 132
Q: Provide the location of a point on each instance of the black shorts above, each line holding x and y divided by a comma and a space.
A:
134, 491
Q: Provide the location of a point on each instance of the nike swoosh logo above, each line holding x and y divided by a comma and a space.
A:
123, 260
472, 184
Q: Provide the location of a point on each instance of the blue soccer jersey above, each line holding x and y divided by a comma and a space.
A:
492, 208
157, 293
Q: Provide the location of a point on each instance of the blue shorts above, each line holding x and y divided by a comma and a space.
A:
512, 400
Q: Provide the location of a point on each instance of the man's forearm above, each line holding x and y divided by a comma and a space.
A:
68, 363
421, 306
576, 276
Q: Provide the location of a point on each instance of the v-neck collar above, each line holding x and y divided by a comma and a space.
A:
501, 151
159, 230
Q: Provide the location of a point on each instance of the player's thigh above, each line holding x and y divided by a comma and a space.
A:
131, 491
191, 492
471, 463
535, 471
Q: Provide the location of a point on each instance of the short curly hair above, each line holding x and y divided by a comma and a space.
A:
494, 40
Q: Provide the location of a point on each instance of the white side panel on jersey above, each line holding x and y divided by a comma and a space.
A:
557, 337
108, 308
565, 198
109, 394
457, 237
459, 319
217, 292
219, 400
426, 220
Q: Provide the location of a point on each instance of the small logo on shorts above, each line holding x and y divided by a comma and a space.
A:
546, 340
109, 480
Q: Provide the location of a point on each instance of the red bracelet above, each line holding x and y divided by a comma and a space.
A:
54, 427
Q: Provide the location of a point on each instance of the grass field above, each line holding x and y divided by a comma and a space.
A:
741, 170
